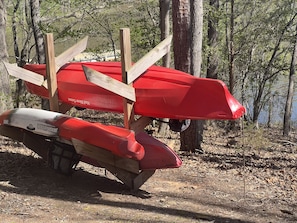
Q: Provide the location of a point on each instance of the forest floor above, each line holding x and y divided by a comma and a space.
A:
244, 176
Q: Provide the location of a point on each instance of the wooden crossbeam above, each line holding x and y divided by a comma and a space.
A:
110, 84
148, 60
133, 181
126, 170
105, 156
71, 52
24, 74
60, 60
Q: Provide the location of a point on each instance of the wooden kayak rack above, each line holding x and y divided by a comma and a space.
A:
126, 170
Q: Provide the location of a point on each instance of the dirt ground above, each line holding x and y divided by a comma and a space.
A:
244, 176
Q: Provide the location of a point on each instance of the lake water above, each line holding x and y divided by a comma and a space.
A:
277, 105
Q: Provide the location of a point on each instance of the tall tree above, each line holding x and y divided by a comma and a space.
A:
212, 37
289, 101
6, 101
165, 26
39, 41
268, 74
261, 30
165, 29
38, 35
181, 34
187, 43
231, 48
21, 53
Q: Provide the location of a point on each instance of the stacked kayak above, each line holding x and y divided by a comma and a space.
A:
160, 92
148, 151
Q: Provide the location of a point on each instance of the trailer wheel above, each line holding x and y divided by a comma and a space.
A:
63, 158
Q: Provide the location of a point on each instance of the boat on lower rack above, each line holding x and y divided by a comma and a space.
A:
160, 92
65, 131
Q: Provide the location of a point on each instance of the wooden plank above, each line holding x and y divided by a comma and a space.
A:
125, 176
110, 84
133, 181
141, 178
70, 53
149, 59
63, 108
11, 132
37, 143
105, 156
140, 124
51, 72
24, 74
126, 63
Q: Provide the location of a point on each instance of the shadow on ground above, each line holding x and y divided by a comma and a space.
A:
29, 175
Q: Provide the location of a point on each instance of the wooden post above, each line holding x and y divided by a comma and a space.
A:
51, 72
126, 65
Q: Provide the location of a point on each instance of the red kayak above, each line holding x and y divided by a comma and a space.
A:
160, 92
151, 153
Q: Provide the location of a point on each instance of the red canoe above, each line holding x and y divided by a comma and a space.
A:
160, 92
151, 153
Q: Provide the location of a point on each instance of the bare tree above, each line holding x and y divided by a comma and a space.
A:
289, 101
231, 49
212, 37
165, 26
268, 76
6, 101
165, 29
21, 53
38, 35
39, 41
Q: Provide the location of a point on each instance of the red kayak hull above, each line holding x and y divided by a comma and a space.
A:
119, 141
160, 92
151, 153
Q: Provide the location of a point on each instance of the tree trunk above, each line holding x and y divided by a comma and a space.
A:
6, 102
212, 35
196, 30
267, 76
165, 28
289, 101
38, 36
181, 34
39, 41
231, 49
187, 42
21, 56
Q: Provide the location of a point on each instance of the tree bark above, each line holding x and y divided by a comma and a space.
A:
231, 49
289, 101
181, 34
38, 35
5, 94
165, 28
196, 30
212, 35
187, 43
39, 41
